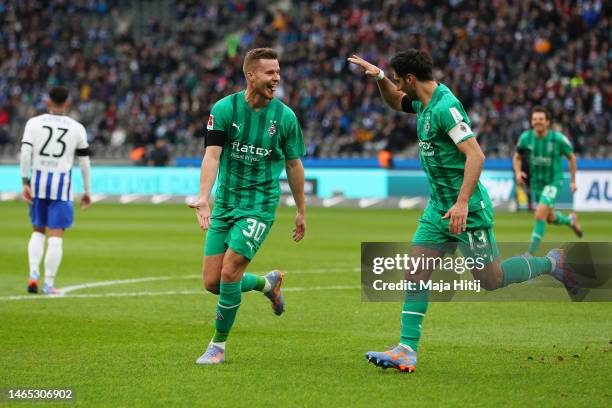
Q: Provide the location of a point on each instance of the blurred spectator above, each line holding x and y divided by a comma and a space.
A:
4, 135
159, 156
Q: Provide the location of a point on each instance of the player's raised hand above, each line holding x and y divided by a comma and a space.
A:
300, 227
202, 209
369, 69
520, 178
458, 217
26, 192
85, 201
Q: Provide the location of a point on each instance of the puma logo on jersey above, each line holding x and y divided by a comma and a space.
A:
236, 126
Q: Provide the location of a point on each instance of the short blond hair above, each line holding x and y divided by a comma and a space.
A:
258, 54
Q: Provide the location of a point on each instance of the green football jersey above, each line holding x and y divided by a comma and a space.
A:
441, 125
255, 150
545, 157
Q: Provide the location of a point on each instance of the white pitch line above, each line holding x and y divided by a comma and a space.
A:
66, 291
164, 293
72, 288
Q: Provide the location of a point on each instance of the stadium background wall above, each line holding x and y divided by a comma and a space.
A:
595, 186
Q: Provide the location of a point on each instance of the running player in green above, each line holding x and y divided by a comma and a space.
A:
252, 136
546, 149
459, 212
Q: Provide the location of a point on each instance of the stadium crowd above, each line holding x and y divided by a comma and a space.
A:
133, 87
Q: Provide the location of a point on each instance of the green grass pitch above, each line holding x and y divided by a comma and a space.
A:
128, 345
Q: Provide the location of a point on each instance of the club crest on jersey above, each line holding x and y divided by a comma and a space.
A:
211, 122
272, 128
427, 123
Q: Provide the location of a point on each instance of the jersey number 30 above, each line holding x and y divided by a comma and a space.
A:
58, 141
256, 229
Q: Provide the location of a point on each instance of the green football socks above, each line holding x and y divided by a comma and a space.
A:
252, 282
561, 219
521, 268
536, 236
230, 297
413, 313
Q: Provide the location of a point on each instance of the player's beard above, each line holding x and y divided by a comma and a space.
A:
267, 89
411, 92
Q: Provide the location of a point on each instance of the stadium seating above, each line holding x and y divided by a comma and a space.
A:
142, 70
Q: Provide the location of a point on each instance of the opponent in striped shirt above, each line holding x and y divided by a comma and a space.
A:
50, 143
252, 136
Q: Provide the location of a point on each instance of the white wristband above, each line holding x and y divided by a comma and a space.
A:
381, 75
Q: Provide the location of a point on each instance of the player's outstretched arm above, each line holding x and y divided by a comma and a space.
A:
208, 174
389, 92
572, 168
519, 175
295, 177
474, 160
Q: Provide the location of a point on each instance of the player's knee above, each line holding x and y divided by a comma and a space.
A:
212, 287
229, 273
491, 283
540, 216
418, 276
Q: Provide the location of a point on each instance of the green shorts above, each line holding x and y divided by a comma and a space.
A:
240, 229
477, 241
547, 195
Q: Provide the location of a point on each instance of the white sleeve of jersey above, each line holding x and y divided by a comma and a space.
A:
28, 137
82, 143
27, 144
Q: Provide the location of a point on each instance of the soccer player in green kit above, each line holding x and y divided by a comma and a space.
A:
546, 149
459, 212
252, 136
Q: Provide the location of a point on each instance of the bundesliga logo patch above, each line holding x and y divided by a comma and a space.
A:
211, 122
